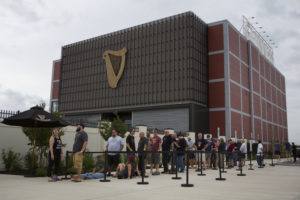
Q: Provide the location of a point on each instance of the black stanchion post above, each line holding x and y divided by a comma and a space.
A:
224, 160
250, 162
201, 168
220, 172
176, 172
172, 164
105, 169
66, 166
272, 164
187, 184
142, 170
241, 166
239, 159
198, 168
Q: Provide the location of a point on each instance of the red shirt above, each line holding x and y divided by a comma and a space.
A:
155, 141
230, 148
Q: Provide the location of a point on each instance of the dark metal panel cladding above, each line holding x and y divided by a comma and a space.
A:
166, 63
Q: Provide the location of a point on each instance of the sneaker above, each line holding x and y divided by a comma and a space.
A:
156, 173
165, 172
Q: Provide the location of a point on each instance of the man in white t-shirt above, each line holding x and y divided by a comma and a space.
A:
243, 150
114, 143
260, 155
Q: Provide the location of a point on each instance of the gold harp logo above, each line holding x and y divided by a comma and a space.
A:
115, 63
41, 116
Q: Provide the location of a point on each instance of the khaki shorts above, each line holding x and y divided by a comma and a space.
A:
77, 160
198, 156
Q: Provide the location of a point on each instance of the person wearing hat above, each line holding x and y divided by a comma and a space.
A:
79, 146
243, 150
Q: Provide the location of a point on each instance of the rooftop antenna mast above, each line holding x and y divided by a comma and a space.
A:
264, 43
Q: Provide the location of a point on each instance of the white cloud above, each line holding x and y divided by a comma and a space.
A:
33, 32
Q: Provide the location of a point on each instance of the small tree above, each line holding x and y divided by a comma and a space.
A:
42, 139
106, 127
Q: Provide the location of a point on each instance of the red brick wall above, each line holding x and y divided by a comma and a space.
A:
216, 66
215, 38
236, 124
235, 97
217, 119
216, 95
55, 90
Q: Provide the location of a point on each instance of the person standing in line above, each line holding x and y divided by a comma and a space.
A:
166, 147
81, 141
222, 149
230, 150
200, 145
243, 150
191, 154
294, 151
142, 147
148, 159
130, 143
55, 154
235, 153
173, 152
181, 147
155, 142
208, 152
287, 150
214, 158
277, 150
114, 143
259, 154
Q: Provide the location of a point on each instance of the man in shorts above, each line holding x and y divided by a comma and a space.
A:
155, 142
243, 150
277, 150
79, 147
114, 143
200, 145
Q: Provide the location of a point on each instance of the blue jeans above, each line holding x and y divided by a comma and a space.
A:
180, 164
90, 175
259, 160
235, 158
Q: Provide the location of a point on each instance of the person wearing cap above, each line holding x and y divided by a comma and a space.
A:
79, 146
243, 150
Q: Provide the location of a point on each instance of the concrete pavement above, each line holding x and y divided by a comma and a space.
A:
279, 182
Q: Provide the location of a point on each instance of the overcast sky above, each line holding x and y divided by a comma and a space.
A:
32, 33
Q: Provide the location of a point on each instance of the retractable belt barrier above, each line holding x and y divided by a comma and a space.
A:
221, 164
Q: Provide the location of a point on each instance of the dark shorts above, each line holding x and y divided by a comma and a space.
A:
230, 155
243, 155
277, 152
113, 160
155, 158
191, 155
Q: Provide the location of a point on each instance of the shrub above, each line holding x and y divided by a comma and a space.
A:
88, 162
42, 172
72, 170
11, 160
28, 160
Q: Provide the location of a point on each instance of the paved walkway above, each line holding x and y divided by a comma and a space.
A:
279, 182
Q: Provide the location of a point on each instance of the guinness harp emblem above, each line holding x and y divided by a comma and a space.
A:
115, 63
